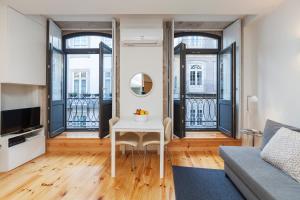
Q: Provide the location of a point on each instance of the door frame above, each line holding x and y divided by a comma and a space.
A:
80, 51
201, 51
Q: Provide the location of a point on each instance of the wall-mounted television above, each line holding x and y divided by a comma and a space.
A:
20, 120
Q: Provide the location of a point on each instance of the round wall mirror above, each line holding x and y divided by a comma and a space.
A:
141, 84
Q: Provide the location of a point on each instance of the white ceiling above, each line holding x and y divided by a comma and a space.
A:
149, 7
186, 18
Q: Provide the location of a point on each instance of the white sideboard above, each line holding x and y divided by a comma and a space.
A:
14, 156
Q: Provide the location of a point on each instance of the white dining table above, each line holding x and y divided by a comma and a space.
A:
130, 125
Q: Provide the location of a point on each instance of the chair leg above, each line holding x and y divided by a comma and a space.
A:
123, 149
132, 159
167, 154
145, 154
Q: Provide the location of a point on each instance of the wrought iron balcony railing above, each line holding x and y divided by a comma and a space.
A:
201, 111
82, 111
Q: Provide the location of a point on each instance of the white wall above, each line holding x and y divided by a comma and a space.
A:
24, 56
141, 59
231, 34
249, 72
16, 96
12, 93
272, 46
2, 37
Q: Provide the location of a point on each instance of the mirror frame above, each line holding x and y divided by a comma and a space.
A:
140, 95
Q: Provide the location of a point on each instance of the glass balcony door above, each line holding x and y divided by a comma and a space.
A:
227, 90
55, 81
179, 90
105, 89
56, 97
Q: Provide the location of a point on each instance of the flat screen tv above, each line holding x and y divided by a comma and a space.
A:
20, 120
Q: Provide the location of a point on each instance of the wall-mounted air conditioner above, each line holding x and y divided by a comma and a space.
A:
141, 37
141, 43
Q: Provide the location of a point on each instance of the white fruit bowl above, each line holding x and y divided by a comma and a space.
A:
141, 118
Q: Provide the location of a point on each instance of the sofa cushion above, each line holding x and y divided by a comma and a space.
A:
266, 181
271, 128
283, 152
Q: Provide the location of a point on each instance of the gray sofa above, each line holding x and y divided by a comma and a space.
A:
255, 178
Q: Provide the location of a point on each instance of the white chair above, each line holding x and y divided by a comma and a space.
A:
127, 138
154, 138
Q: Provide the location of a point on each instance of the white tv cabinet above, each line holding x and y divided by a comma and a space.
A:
14, 156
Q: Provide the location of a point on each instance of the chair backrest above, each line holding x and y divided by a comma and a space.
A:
166, 121
112, 122
168, 129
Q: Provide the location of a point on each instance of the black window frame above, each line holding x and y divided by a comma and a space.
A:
201, 50
82, 50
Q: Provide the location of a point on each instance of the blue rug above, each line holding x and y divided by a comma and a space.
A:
203, 184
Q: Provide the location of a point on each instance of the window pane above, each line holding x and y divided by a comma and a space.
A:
199, 78
57, 76
197, 42
83, 86
176, 77
83, 75
76, 75
192, 78
225, 76
87, 42
107, 83
55, 36
76, 86
56, 42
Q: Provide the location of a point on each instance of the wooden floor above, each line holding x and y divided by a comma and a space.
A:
87, 176
65, 135
79, 168
90, 142
210, 135
196, 135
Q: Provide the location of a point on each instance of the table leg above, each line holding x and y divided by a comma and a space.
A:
113, 153
161, 163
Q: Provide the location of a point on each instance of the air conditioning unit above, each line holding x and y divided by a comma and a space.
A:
141, 37
141, 43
